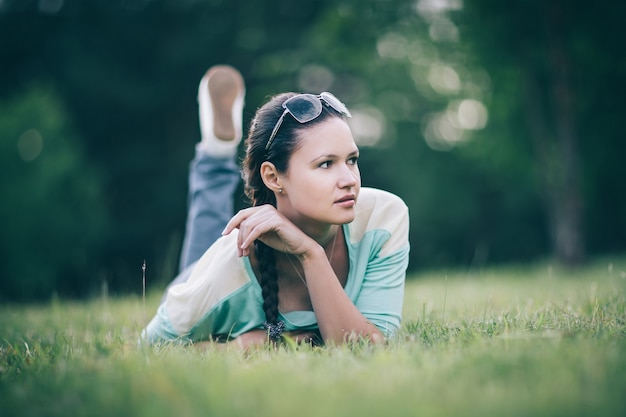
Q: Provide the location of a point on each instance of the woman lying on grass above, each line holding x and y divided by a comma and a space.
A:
316, 257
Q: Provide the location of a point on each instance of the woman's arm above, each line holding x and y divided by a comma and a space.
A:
338, 318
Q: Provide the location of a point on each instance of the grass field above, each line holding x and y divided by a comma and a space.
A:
527, 340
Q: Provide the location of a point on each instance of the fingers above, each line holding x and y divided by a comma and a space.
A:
233, 223
303, 336
250, 339
252, 223
255, 227
268, 225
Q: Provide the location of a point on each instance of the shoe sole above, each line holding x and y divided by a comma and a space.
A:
225, 84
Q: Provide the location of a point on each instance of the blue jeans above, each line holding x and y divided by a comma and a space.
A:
212, 184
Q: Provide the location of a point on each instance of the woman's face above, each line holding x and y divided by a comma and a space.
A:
322, 182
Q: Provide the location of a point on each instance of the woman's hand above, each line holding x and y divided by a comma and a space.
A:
249, 340
271, 227
253, 338
304, 337
338, 318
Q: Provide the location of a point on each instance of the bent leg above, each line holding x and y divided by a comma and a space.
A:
213, 174
212, 184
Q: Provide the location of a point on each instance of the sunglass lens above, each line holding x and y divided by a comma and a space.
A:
335, 103
304, 107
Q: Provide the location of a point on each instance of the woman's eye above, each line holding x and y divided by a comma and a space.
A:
325, 164
353, 160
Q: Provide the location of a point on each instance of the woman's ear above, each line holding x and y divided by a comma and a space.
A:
269, 175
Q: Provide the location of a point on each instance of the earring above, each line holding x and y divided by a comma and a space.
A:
280, 191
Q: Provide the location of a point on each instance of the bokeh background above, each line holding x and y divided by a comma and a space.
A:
499, 123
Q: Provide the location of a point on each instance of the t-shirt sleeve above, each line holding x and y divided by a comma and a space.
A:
206, 304
381, 296
160, 330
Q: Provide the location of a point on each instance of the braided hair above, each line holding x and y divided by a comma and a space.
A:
284, 145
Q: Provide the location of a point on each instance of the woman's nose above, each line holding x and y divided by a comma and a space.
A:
348, 177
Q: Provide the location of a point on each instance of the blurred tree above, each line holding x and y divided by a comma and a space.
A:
558, 60
528, 183
128, 72
473, 112
417, 98
53, 219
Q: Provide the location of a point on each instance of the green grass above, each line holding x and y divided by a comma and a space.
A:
527, 340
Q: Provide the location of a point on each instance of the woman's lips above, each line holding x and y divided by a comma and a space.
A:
346, 201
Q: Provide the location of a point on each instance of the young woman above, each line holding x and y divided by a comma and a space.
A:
316, 257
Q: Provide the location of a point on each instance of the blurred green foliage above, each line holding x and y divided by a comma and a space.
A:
54, 214
441, 92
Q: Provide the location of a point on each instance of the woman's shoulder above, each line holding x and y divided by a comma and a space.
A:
220, 270
221, 258
217, 275
376, 199
379, 210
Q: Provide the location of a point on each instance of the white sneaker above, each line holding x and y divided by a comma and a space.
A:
220, 104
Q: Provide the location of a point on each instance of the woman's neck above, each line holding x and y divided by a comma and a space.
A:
323, 235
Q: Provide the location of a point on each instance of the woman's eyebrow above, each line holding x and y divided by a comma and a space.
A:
333, 156
322, 157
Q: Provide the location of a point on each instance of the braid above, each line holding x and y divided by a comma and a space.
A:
259, 194
266, 257
285, 143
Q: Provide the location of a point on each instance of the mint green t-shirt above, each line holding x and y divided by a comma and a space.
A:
222, 297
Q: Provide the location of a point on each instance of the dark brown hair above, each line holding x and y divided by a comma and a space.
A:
285, 143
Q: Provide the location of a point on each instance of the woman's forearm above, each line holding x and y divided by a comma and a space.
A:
338, 318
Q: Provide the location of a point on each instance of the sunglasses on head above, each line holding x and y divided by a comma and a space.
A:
307, 107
